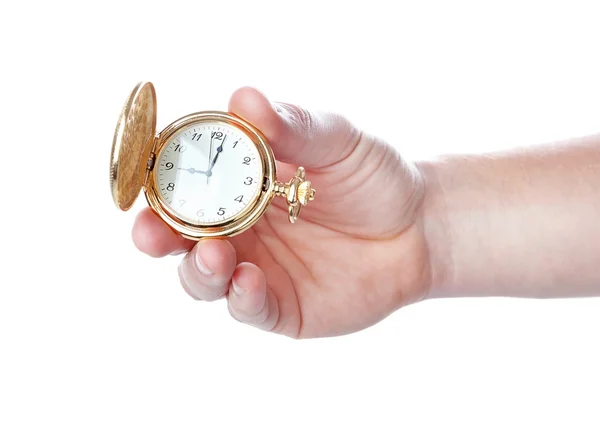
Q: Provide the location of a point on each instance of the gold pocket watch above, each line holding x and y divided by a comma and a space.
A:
208, 174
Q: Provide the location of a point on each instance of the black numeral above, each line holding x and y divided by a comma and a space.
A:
180, 148
216, 135
196, 136
221, 211
235, 143
239, 198
169, 165
246, 161
171, 187
248, 181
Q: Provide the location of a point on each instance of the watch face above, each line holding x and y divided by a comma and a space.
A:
208, 173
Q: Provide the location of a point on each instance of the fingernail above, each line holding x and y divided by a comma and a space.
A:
178, 252
201, 266
239, 291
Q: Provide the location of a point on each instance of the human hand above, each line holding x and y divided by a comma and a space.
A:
356, 254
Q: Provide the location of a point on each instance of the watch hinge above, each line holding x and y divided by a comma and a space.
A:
151, 161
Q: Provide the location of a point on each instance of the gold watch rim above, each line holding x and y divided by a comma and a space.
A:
236, 224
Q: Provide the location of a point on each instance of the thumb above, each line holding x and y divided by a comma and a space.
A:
296, 135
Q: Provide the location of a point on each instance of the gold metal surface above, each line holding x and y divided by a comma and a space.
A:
132, 144
135, 149
240, 222
298, 192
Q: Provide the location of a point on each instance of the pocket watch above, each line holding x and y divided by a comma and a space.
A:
208, 174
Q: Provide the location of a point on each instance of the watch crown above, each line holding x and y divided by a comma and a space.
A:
305, 193
298, 192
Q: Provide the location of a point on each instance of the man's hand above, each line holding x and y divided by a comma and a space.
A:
356, 254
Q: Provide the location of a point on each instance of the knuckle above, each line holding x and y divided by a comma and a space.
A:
215, 294
199, 290
188, 290
261, 318
233, 313
300, 118
257, 320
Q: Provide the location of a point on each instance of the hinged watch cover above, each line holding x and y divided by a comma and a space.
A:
132, 145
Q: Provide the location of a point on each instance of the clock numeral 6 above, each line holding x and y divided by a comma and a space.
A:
171, 187
246, 161
248, 181
200, 213
221, 211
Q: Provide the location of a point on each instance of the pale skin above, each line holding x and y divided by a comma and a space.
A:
383, 232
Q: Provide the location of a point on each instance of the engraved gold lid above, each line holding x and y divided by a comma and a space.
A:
132, 145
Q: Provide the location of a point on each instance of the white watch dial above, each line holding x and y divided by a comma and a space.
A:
208, 172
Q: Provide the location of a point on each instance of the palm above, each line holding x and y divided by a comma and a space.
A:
311, 267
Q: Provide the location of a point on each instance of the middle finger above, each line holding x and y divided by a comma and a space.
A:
206, 271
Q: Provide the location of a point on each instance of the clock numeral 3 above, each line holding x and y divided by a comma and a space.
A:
248, 181
221, 211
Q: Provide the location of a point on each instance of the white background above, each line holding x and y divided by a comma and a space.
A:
98, 343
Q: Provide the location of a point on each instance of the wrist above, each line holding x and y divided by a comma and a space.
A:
436, 230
